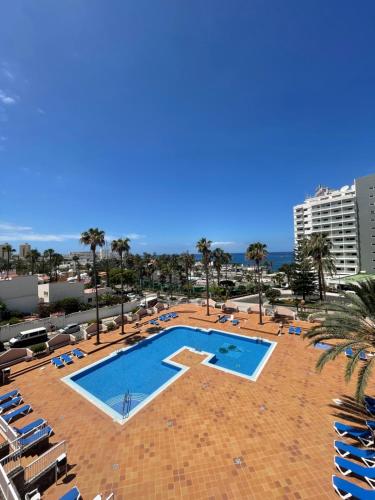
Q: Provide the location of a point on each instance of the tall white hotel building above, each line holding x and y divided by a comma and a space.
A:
347, 216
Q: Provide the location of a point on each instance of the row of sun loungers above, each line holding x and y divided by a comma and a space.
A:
364, 471
65, 359
30, 434
164, 318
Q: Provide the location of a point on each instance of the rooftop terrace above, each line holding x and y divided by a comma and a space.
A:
209, 435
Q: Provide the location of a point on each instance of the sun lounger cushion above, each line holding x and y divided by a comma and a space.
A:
36, 437
9, 395
57, 362
29, 427
10, 404
72, 494
23, 410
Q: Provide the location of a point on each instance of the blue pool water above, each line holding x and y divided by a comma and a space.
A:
140, 370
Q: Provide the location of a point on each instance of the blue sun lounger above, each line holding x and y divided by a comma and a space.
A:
291, 330
347, 467
369, 400
9, 395
57, 363
66, 358
235, 322
29, 427
73, 494
363, 435
223, 319
11, 404
349, 352
346, 489
23, 410
36, 437
78, 353
297, 330
345, 450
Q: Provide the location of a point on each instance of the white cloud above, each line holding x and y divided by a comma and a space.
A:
14, 232
6, 99
8, 226
8, 73
223, 243
40, 111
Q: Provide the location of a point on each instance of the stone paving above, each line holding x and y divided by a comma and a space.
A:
210, 435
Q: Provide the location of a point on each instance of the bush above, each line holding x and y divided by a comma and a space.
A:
37, 348
111, 326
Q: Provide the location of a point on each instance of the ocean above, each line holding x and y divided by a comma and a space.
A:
276, 259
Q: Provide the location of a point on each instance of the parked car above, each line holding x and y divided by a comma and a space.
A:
71, 328
29, 337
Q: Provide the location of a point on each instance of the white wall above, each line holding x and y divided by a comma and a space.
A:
20, 293
52, 292
9, 331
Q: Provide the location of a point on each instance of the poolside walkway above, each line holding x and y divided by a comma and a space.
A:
210, 435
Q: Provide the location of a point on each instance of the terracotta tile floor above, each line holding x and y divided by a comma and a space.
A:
183, 444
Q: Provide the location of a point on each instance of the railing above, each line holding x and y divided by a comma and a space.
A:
44, 462
6, 430
7, 488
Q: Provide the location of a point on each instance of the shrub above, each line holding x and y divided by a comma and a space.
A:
111, 326
37, 348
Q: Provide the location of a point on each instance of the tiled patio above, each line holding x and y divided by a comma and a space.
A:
184, 443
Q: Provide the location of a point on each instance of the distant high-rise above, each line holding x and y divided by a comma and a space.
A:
24, 250
347, 217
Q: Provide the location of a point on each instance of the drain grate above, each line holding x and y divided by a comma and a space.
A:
237, 461
170, 423
115, 466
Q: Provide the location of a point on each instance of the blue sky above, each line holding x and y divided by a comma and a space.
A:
168, 121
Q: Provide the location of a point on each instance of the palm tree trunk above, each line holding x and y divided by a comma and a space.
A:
96, 297
218, 277
207, 293
122, 294
320, 286
260, 295
8, 264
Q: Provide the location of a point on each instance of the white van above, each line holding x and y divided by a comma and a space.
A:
29, 337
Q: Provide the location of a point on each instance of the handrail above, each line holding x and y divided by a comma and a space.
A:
44, 462
6, 430
7, 488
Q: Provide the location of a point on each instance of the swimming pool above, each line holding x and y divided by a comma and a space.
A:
123, 382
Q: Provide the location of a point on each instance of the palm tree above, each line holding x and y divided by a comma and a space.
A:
257, 252
218, 257
352, 322
121, 246
7, 249
57, 260
204, 247
227, 259
33, 257
94, 237
188, 262
49, 254
318, 248
75, 259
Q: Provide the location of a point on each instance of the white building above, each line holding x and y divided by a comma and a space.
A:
20, 293
59, 290
332, 212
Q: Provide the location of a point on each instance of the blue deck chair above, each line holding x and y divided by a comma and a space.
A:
36, 437
363, 435
347, 467
73, 494
349, 352
235, 322
291, 330
22, 411
346, 489
370, 410
57, 363
9, 395
370, 401
345, 450
66, 358
29, 427
297, 330
11, 404
224, 319
78, 353
363, 356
